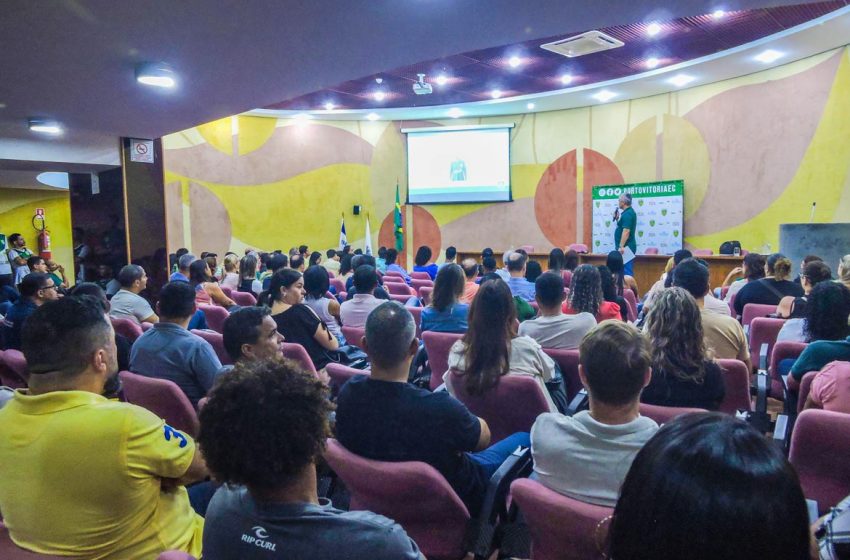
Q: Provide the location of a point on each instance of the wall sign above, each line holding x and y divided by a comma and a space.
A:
141, 150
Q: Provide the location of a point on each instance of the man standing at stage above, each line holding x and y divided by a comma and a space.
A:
624, 236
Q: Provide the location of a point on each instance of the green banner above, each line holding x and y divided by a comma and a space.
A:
643, 190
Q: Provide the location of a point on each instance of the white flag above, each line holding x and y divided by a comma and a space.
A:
343, 241
368, 247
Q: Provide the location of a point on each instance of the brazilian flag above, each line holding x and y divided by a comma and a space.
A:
399, 225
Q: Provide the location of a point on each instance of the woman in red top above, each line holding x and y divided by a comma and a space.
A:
586, 295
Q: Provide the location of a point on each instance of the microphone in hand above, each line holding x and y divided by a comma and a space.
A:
616, 214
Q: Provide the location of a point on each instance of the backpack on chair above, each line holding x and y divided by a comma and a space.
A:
728, 247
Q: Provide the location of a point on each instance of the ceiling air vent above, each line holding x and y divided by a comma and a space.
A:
580, 45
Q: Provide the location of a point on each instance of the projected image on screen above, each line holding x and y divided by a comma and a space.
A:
469, 165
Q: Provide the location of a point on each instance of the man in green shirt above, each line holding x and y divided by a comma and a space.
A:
624, 235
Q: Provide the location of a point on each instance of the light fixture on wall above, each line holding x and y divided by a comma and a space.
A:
373, 116
530, 106
769, 56
329, 106
681, 80
604, 96
454, 112
47, 126
157, 74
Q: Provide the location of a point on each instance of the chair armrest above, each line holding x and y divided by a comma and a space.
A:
759, 418
579, 402
782, 433
763, 351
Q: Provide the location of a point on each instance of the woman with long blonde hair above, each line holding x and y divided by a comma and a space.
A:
683, 371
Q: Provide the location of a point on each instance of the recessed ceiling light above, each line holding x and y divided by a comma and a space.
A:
373, 116
45, 125
496, 93
157, 74
530, 106
652, 62
653, 29
681, 80
379, 95
329, 106
442, 80
566, 79
769, 56
604, 95
718, 14
454, 112
514, 61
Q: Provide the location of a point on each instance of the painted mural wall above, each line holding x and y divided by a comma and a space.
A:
754, 152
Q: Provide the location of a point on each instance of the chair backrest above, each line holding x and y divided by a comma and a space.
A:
805, 389
401, 298
703, 252
820, 452
579, 247
736, 378
162, 397
561, 528
663, 414
10, 551
437, 346
217, 342
651, 251
338, 284
353, 335
126, 327
567, 360
146, 326
511, 406
227, 290
215, 316
753, 310
425, 294
393, 273
763, 330
413, 494
631, 302
418, 284
420, 275
417, 316
340, 374
244, 299
296, 352
10, 371
398, 288
731, 303
723, 291
175, 555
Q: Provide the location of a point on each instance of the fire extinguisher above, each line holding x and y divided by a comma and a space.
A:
40, 226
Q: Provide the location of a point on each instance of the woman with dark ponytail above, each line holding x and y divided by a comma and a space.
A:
772, 288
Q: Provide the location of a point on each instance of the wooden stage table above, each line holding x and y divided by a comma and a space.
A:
648, 268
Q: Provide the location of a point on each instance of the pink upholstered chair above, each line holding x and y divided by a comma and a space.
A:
413, 494
723, 291
511, 406
127, 328
146, 326
763, 330
631, 302
11, 376
578, 247
561, 528
663, 414
425, 295
227, 290
162, 397
215, 316
340, 374
338, 284
244, 299
10, 551
393, 274
805, 389
217, 342
703, 252
783, 351
417, 284
175, 555
567, 360
820, 453
753, 310
16, 362
420, 275
401, 298
567, 275
417, 317
353, 335
437, 346
297, 353
399, 288
736, 378
651, 251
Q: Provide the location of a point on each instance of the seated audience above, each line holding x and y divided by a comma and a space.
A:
250, 334
169, 351
296, 321
346, 268
351, 290
231, 272
826, 330
381, 261
609, 292
794, 309
392, 266
503, 272
533, 270
489, 266
659, 284
703, 488
315, 259
36, 289
212, 261
451, 256
316, 285
552, 328
184, 261
276, 262
710, 303
470, 273
83, 476
830, 389
263, 431
248, 281
678, 257
622, 281
806, 260
586, 295
772, 288
127, 303
753, 269
332, 260
491, 348
122, 343
516, 264
446, 313
571, 260
354, 311
57, 272
723, 335
556, 260
207, 291
683, 373
381, 416
36, 264
587, 456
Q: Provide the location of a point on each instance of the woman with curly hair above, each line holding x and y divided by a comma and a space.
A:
586, 295
683, 371
262, 432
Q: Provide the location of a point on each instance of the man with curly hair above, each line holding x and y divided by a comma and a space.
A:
262, 431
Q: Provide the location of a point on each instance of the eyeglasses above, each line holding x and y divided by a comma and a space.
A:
51, 287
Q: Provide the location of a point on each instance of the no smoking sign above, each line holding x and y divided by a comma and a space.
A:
141, 150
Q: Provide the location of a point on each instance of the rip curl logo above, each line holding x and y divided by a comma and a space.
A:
258, 539
170, 432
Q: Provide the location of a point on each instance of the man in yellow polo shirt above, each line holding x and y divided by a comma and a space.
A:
82, 476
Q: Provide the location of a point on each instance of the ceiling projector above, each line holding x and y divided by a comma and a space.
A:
421, 87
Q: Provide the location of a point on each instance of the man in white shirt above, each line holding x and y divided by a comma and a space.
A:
332, 261
587, 456
353, 313
127, 303
552, 328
